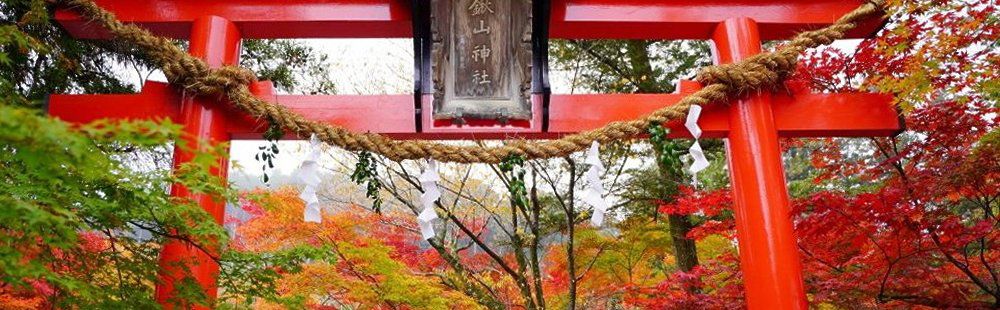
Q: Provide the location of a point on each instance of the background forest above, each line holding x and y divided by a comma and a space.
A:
904, 222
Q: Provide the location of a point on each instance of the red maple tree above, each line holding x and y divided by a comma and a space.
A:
902, 222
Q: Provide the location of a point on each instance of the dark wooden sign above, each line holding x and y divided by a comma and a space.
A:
481, 58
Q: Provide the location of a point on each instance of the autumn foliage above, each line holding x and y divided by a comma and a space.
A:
378, 260
904, 222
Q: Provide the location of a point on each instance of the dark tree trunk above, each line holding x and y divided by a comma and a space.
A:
685, 250
571, 235
536, 269
463, 282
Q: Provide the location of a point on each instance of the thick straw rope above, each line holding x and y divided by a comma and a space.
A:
722, 82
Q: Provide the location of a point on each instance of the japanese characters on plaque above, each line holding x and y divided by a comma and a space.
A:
480, 51
481, 57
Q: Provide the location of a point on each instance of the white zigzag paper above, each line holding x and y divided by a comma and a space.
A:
593, 194
694, 112
309, 176
700, 162
428, 180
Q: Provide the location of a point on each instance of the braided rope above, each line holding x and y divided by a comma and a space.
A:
721, 82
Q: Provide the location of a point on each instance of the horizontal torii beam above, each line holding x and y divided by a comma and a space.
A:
796, 115
578, 19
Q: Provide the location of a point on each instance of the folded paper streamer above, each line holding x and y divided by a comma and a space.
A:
700, 162
309, 176
593, 194
428, 180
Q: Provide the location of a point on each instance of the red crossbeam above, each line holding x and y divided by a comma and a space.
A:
581, 19
693, 19
796, 115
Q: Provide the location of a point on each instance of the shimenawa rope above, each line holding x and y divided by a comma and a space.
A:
721, 82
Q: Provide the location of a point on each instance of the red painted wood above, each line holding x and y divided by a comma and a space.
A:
769, 258
693, 19
580, 19
796, 115
156, 101
217, 41
835, 115
390, 114
576, 113
259, 18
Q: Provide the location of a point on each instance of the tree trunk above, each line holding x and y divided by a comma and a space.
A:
642, 68
570, 255
517, 243
536, 269
463, 282
571, 236
685, 250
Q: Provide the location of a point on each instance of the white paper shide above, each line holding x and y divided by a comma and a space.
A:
309, 176
697, 154
593, 194
428, 180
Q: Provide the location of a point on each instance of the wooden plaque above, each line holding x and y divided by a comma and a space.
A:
481, 59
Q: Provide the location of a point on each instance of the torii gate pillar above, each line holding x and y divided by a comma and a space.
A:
769, 258
217, 41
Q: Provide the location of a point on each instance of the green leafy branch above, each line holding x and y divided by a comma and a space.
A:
268, 152
668, 151
513, 169
365, 171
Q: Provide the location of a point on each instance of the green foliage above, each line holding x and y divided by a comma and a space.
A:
38, 58
397, 285
269, 151
265, 155
641, 245
628, 66
513, 169
366, 171
58, 183
82, 225
800, 172
668, 151
70, 216
291, 65
249, 275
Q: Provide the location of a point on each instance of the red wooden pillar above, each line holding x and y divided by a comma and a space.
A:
769, 258
217, 41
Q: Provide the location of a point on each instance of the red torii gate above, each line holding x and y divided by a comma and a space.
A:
752, 126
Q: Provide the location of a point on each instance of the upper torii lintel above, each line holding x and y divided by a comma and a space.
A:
580, 19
